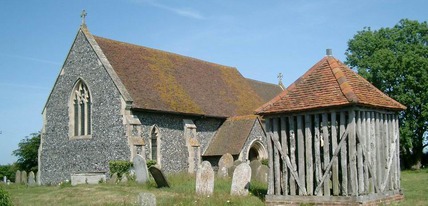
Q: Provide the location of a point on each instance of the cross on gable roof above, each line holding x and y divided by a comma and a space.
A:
329, 83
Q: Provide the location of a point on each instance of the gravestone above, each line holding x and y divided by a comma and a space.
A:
124, 179
241, 180
18, 177
225, 161
140, 167
205, 179
231, 170
262, 174
237, 162
24, 177
4, 179
146, 199
222, 172
31, 179
158, 176
113, 179
255, 164
38, 178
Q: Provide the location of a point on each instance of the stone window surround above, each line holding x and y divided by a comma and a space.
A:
257, 144
155, 129
71, 113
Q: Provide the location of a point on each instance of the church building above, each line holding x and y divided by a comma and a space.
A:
113, 100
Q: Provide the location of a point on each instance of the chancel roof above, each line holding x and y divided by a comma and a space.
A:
329, 83
162, 81
231, 136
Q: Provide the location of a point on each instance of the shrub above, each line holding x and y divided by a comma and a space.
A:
4, 198
151, 163
120, 167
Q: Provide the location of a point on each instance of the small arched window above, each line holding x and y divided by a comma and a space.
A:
155, 144
80, 110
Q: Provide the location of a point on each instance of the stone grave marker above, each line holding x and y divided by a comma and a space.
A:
237, 162
24, 177
262, 174
146, 199
124, 179
140, 167
225, 161
18, 177
255, 164
38, 178
241, 180
158, 176
223, 172
205, 179
31, 179
4, 179
231, 170
113, 179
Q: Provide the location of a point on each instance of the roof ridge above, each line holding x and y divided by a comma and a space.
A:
166, 52
261, 81
341, 79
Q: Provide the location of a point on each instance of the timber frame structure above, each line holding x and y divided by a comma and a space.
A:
332, 149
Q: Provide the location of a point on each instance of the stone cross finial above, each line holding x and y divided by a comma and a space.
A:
280, 78
83, 15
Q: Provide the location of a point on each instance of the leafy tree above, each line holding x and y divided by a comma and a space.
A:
27, 152
8, 171
395, 60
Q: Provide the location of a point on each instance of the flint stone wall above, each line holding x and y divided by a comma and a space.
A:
171, 130
61, 156
257, 133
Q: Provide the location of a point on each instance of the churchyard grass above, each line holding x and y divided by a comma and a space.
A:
182, 192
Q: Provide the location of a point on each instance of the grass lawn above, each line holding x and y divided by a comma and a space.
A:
182, 192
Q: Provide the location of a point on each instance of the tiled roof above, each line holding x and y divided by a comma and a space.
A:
231, 136
329, 83
167, 82
265, 90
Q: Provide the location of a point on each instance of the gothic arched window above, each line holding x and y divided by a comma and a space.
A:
80, 110
155, 144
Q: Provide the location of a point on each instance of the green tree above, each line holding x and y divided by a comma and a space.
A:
8, 171
395, 61
27, 152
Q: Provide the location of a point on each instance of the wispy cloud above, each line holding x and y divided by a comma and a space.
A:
31, 59
186, 12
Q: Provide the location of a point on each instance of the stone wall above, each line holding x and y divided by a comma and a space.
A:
61, 156
171, 128
257, 134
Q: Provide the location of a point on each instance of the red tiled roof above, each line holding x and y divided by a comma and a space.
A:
231, 136
163, 81
329, 83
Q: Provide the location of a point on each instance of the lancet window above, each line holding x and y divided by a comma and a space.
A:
81, 107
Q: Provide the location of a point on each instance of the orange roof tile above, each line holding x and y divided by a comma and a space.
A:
328, 83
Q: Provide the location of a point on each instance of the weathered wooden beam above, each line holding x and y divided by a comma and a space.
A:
352, 154
301, 150
284, 143
292, 153
379, 148
308, 151
397, 153
336, 152
392, 144
343, 156
276, 165
366, 134
270, 159
326, 151
360, 165
390, 159
317, 140
372, 149
335, 181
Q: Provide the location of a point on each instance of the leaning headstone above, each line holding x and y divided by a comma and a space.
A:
113, 179
241, 180
225, 161
4, 179
262, 174
31, 179
146, 199
255, 164
140, 167
18, 177
24, 177
205, 179
237, 162
158, 176
222, 172
124, 179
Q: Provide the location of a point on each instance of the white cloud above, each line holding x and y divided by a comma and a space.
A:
186, 12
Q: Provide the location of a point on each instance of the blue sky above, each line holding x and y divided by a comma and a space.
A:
260, 38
